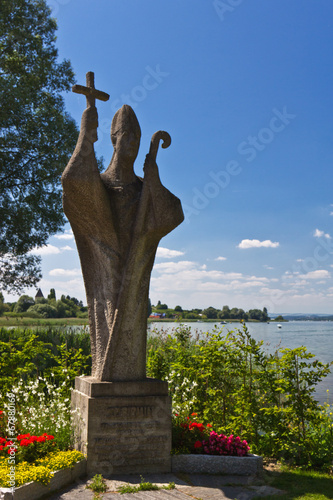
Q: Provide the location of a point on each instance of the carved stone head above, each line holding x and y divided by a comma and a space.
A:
125, 133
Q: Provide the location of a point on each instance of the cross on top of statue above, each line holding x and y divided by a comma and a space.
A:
89, 91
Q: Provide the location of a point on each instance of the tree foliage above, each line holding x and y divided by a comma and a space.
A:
231, 381
37, 137
66, 307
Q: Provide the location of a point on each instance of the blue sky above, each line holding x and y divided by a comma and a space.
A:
245, 90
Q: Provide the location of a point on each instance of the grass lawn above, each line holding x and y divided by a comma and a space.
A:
6, 321
300, 485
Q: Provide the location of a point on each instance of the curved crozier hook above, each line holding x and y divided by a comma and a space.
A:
155, 141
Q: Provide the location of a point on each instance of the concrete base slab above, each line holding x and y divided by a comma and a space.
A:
212, 464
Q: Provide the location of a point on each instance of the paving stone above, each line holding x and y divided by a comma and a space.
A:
203, 486
77, 491
148, 495
217, 481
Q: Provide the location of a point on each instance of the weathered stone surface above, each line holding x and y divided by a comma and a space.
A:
93, 388
128, 433
212, 464
118, 220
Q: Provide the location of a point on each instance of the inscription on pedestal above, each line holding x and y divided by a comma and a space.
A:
129, 412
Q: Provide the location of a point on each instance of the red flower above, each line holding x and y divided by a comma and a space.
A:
194, 414
41, 439
209, 425
49, 437
25, 442
196, 425
23, 436
198, 444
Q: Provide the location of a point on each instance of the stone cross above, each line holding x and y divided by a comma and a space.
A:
89, 91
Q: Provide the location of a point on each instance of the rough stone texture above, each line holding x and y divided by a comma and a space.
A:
34, 491
118, 220
196, 486
211, 464
127, 429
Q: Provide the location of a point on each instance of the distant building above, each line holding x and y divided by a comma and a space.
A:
155, 315
39, 294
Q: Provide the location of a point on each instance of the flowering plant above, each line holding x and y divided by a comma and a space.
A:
188, 434
27, 448
40, 471
219, 444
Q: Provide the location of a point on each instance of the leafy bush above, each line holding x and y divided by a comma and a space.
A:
231, 381
26, 354
43, 310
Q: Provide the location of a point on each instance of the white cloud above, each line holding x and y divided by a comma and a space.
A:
174, 267
221, 258
258, 244
191, 278
50, 250
267, 267
319, 234
165, 253
67, 235
65, 272
47, 250
315, 275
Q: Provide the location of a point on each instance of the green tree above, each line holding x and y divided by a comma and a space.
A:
210, 312
225, 313
23, 304
149, 308
37, 137
44, 310
265, 316
2, 301
161, 306
52, 294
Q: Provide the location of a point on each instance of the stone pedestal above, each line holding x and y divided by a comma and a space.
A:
124, 427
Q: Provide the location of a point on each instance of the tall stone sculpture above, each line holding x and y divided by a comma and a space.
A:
118, 220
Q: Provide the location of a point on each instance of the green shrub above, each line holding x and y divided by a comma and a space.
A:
43, 310
232, 383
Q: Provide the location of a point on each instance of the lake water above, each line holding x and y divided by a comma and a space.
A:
316, 336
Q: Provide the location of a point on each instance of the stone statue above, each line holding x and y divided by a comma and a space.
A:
118, 220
